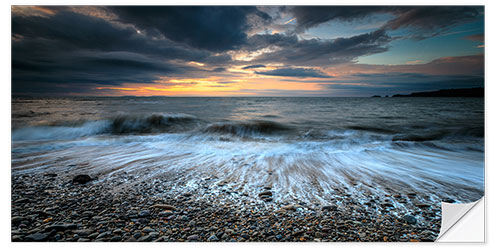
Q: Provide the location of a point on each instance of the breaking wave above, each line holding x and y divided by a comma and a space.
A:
156, 123
248, 129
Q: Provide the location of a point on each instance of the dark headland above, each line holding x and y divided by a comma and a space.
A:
470, 92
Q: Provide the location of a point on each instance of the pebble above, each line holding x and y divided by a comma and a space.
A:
164, 206
213, 237
410, 219
60, 227
148, 230
193, 237
422, 205
115, 238
144, 213
81, 179
329, 208
37, 237
156, 211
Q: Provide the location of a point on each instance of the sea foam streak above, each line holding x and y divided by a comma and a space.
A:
299, 171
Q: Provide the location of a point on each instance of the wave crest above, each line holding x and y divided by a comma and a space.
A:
248, 129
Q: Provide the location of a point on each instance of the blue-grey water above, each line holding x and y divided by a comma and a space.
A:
369, 147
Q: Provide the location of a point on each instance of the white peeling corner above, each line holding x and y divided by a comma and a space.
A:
462, 222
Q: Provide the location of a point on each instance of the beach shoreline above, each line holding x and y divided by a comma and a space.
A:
51, 207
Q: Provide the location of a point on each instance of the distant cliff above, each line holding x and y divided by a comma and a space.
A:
473, 92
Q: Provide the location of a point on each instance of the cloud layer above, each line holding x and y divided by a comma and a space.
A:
59, 50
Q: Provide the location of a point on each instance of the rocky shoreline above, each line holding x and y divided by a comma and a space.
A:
48, 207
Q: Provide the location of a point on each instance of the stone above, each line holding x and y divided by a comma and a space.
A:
148, 230
165, 213
144, 213
93, 235
329, 208
410, 219
266, 193
164, 206
145, 238
102, 235
37, 237
386, 204
60, 227
115, 238
213, 237
289, 207
422, 205
17, 219
193, 237
81, 179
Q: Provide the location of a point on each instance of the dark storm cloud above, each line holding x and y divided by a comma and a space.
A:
310, 16
75, 49
206, 27
319, 52
254, 66
294, 72
73, 31
426, 20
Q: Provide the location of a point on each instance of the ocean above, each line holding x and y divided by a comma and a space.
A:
306, 149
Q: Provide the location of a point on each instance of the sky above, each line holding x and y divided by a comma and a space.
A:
245, 50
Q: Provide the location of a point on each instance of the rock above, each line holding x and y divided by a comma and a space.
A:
386, 204
164, 206
81, 179
60, 227
115, 238
213, 238
448, 200
410, 219
145, 238
83, 232
131, 239
137, 235
329, 208
165, 213
83, 240
267, 199
144, 213
50, 175
266, 193
37, 237
103, 235
422, 205
193, 237
17, 219
93, 235
289, 207
148, 230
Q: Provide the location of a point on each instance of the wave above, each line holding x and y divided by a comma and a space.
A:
253, 128
123, 124
151, 124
